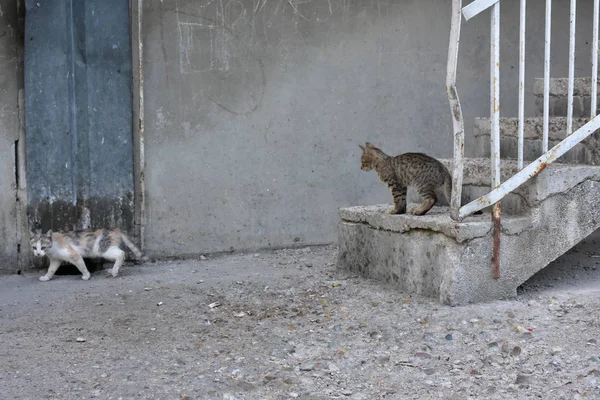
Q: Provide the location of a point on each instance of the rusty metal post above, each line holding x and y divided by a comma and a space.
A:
496, 220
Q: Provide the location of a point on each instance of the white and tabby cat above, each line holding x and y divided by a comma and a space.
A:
73, 246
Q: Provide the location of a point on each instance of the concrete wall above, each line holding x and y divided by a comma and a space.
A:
10, 82
254, 109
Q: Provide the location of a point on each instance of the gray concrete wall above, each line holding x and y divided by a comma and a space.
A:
10, 82
254, 109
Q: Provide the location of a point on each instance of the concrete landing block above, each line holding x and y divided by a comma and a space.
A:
430, 255
436, 257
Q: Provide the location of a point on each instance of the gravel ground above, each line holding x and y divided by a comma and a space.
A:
287, 324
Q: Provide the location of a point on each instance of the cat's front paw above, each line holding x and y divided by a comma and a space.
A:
85, 277
114, 273
44, 278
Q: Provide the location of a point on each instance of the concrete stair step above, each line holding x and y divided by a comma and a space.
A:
582, 90
587, 152
554, 179
435, 256
532, 149
437, 220
477, 179
533, 128
582, 106
559, 87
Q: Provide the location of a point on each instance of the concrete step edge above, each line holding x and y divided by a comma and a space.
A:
559, 86
533, 128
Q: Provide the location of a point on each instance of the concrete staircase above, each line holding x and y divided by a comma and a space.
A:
435, 256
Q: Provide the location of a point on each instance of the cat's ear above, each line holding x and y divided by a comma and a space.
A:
362, 147
369, 145
49, 233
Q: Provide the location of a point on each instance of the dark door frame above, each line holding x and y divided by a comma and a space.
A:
137, 68
137, 86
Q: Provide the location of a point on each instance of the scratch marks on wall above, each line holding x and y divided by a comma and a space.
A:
311, 10
164, 119
224, 45
258, 6
221, 63
234, 12
202, 47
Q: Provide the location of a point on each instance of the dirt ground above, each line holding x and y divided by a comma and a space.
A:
287, 324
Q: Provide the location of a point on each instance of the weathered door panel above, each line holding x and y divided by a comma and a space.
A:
78, 106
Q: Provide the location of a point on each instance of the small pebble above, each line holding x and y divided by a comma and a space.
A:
80, 339
522, 379
449, 336
520, 329
306, 367
292, 381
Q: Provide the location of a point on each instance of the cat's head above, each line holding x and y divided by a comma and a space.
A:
40, 243
370, 156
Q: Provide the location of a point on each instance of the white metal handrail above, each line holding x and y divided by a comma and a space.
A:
500, 189
455, 108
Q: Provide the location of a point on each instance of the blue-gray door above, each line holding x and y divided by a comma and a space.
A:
78, 105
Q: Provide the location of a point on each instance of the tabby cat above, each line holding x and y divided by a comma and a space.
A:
420, 171
73, 246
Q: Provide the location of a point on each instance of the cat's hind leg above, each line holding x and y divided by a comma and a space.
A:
77, 260
399, 194
429, 200
117, 255
54, 264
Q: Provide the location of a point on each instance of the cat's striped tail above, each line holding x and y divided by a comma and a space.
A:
133, 248
448, 188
